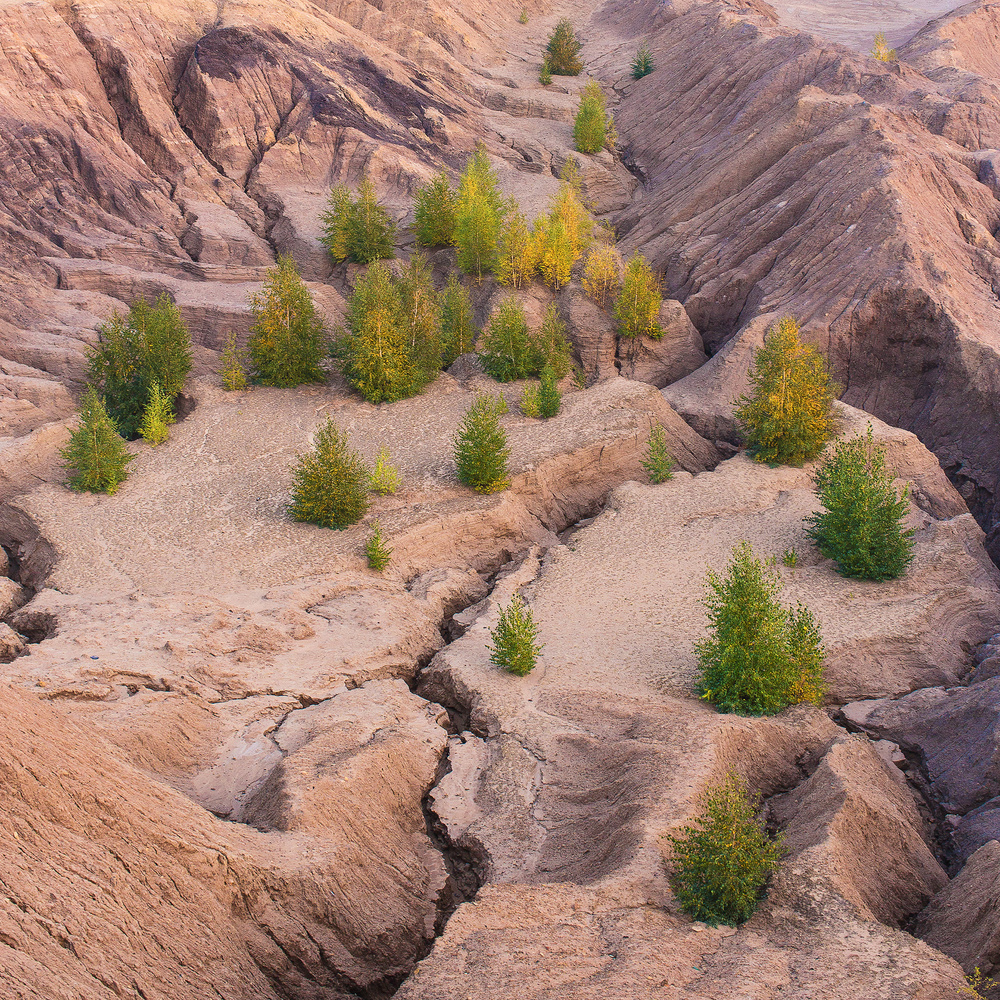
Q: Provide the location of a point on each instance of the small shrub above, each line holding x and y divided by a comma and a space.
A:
563, 50
357, 229
96, 455
590, 129
517, 254
505, 347
434, 213
976, 983
529, 402
523, 17
550, 346
480, 448
723, 860
602, 274
159, 414
861, 526
377, 551
658, 463
549, 396
545, 73
788, 416
287, 338
637, 308
790, 558
760, 656
479, 216
385, 478
881, 50
330, 482
150, 344
642, 64
233, 366
514, 646
458, 329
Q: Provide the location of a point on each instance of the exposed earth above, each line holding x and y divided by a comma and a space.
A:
236, 763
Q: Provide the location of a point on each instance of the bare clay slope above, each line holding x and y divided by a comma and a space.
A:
790, 176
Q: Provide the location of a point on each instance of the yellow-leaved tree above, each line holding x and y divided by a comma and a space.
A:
562, 236
787, 417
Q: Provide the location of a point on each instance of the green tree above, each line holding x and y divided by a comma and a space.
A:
458, 329
523, 16
480, 448
549, 346
590, 128
376, 550
233, 366
434, 213
760, 656
357, 229
549, 396
385, 478
545, 73
505, 348
149, 345
330, 482
642, 64
287, 338
787, 417
479, 216
658, 463
514, 643
529, 402
516, 250
563, 50
157, 418
421, 316
723, 860
96, 456
861, 525
637, 308
374, 349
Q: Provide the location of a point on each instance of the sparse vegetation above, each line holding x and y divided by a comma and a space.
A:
563, 50
233, 366
590, 129
642, 64
514, 643
385, 478
505, 348
458, 330
787, 417
330, 481
378, 553
96, 456
287, 339
480, 447
434, 213
722, 861
549, 396
881, 50
658, 463
149, 345
637, 308
529, 402
545, 73
523, 16
760, 656
157, 418
976, 983
479, 216
790, 558
357, 228
861, 525
602, 273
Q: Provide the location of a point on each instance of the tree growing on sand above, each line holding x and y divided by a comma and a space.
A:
514, 643
434, 213
480, 448
357, 228
157, 417
458, 328
96, 456
479, 216
563, 50
760, 656
330, 482
787, 418
637, 308
590, 128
